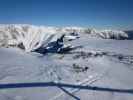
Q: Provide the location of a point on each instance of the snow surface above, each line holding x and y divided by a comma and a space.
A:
102, 63
31, 37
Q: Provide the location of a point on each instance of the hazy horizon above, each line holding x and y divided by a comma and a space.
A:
103, 14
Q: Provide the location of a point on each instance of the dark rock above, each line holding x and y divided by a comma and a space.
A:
21, 46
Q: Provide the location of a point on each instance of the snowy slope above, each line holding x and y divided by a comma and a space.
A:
104, 63
30, 37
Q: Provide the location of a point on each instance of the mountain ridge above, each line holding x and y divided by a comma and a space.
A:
31, 35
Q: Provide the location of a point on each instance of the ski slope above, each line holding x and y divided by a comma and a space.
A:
101, 69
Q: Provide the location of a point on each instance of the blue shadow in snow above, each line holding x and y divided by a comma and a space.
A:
53, 84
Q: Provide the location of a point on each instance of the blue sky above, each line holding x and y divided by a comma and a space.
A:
88, 13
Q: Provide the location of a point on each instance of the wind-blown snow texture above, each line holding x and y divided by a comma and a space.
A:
101, 69
32, 37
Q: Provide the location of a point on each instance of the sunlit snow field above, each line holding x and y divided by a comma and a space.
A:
105, 65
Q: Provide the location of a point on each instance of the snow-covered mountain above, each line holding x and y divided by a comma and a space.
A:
99, 69
31, 37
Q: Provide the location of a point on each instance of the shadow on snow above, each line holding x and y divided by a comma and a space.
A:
53, 84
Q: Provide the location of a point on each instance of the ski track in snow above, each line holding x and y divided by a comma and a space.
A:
87, 81
109, 62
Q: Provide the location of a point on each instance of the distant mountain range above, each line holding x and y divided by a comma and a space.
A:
31, 36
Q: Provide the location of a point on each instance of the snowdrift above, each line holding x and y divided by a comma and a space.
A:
30, 37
